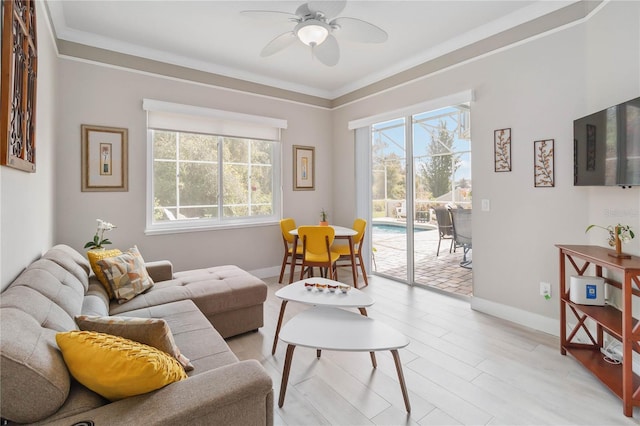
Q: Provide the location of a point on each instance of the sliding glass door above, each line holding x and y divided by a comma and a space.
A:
419, 162
389, 193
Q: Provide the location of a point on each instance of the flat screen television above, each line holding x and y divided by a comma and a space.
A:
606, 149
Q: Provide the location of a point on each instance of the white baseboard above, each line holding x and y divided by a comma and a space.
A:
273, 271
518, 316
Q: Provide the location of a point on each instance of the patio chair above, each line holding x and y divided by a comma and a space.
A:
461, 224
445, 228
401, 211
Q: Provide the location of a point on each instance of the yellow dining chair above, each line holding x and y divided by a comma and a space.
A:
286, 225
359, 225
316, 250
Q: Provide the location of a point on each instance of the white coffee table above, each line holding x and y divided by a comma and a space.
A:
325, 328
297, 292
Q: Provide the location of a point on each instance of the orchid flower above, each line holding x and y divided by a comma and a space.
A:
98, 239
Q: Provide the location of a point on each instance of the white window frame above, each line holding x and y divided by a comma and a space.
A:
255, 127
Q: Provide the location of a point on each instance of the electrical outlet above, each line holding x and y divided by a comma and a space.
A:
545, 290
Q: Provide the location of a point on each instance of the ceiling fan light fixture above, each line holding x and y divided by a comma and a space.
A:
312, 32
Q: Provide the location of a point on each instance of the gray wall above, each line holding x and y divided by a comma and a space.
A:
26, 199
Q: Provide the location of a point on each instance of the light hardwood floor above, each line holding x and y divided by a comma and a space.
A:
461, 367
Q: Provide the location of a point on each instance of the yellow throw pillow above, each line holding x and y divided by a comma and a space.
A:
126, 274
115, 367
149, 331
94, 256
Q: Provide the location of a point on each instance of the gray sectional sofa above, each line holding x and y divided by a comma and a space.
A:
201, 307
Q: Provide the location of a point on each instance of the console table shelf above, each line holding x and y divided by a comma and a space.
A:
619, 324
609, 374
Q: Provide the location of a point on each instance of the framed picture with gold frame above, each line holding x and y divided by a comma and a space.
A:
104, 158
304, 168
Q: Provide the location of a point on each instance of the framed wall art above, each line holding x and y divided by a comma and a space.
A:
104, 158
502, 150
543, 163
303, 168
18, 87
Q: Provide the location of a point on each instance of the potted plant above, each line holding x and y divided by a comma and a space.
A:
98, 239
323, 218
617, 235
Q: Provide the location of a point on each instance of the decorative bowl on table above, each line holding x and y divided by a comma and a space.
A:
332, 288
309, 286
321, 287
344, 288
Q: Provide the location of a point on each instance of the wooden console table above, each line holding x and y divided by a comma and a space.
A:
620, 324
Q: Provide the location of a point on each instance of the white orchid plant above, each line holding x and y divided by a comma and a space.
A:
98, 239
624, 233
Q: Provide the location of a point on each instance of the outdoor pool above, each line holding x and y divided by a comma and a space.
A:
386, 228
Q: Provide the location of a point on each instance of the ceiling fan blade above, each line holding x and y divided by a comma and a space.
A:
273, 15
279, 43
329, 9
358, 30
328, 52
303, 11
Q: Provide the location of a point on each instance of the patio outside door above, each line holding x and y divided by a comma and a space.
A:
389, 205
419, 162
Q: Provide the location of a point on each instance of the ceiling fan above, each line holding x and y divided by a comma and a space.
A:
316, 22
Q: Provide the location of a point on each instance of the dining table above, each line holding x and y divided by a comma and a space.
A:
341, 232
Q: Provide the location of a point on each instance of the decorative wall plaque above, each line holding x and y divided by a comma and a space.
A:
18, 87
502, 150
543, 163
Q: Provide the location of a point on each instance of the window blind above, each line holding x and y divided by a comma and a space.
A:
430, 105
163, 115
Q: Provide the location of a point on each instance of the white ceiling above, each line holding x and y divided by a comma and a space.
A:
213, 36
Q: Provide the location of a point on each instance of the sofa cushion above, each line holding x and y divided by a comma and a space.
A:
80, 400
94, 256
149, 331
55, 284
115, 367
34, 379
96, 301
126, 274
190, 329
41, 301
70, 260
214, 290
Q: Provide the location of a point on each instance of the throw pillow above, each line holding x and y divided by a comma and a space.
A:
126, 274
115, 367
149, 331
94, 256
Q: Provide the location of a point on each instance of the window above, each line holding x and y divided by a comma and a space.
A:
202, 178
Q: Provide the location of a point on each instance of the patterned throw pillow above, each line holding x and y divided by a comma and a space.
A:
94, 256
115, 367
149, 331
126, 274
